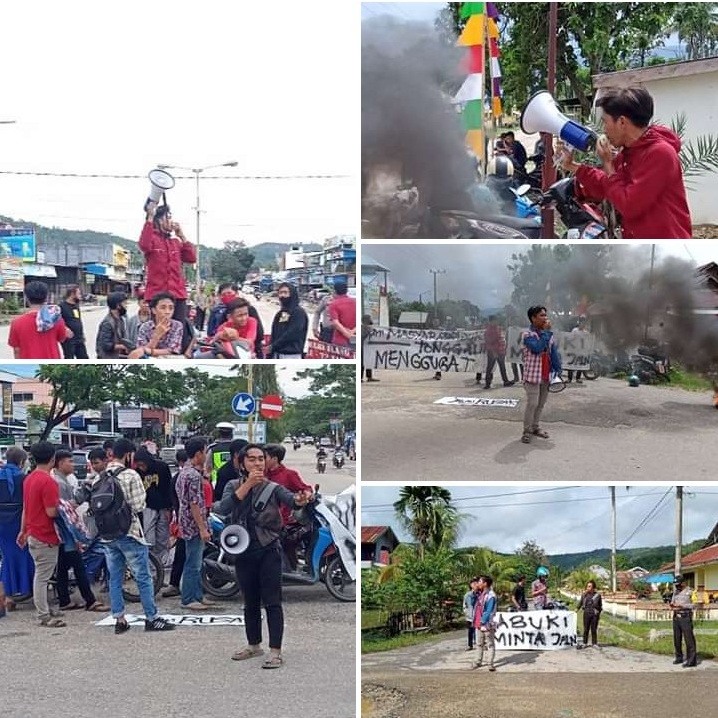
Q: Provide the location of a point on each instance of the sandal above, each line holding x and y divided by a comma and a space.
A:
98, 607
526, 439
274, 661
53, 623
246, 653
540, 433
71, 607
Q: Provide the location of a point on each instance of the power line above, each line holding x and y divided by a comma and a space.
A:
650, 515
181, 177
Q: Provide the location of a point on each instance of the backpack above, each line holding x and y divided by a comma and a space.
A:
112, 513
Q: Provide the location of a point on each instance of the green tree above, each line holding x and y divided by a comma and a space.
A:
427, 513
697, 26
531, 556
82, 387
232, 262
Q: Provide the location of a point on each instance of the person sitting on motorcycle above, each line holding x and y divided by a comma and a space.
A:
644, 180
238, 324
516, 149
259, 567
321, 453
227, 293
539, 589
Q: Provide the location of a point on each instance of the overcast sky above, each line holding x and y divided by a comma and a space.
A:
561, 520
416, 11
478, 273
119, 90
286, 374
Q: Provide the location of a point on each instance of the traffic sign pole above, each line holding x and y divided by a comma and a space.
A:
250, 381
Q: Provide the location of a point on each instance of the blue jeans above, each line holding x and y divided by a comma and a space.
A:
191, 587
123, 552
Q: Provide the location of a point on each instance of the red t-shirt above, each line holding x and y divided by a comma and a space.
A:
291, 481
343, 308
33, 344
40, 491
248, 331
208, 497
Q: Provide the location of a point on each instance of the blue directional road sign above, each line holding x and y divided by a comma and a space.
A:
244, 404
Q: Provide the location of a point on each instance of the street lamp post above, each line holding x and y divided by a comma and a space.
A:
197, 172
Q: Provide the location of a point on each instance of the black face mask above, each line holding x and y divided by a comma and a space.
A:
122, 311
286, 302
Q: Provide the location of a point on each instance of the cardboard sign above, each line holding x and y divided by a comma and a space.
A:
477, 401
535, 630
185, 620
324, 350
575, 348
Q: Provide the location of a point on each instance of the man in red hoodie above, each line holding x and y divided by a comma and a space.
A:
644, 181
166, 249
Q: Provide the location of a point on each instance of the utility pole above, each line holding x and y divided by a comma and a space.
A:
549, 171
614, 582
436, 305
679, 529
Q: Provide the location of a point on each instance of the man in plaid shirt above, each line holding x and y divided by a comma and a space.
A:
540, 359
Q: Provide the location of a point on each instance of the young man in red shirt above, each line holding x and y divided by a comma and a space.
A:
238, 324
38, 333
343, 316
41, 497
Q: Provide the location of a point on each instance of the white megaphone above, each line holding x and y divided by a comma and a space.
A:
160, 182
234, 539
542, 114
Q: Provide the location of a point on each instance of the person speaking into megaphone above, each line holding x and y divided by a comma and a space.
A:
643, 180
166, 249
254, 502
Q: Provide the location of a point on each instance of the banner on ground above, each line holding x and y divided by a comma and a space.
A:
477, 401
460, 350
324, 350
186, 620
535, 630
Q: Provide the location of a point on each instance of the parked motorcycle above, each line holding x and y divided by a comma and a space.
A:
217, 574
651, 365
215, 349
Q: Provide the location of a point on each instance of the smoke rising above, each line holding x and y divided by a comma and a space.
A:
408, 124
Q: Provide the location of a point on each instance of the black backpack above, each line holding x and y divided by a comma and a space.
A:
112, 513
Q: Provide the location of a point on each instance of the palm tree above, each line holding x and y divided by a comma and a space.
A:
427, 513
697, 26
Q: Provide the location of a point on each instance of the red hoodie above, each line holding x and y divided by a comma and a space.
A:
646, 188
164, 258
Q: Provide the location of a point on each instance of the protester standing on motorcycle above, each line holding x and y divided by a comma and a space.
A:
644, 181
540, 359
254, 503
290, 325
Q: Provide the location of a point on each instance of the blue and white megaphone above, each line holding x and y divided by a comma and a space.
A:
542, 114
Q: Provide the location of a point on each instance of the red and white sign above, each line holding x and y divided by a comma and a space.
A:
272, 406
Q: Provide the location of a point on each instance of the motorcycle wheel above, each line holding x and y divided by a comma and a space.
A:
593, 372
131, 592
217, 587
338, 583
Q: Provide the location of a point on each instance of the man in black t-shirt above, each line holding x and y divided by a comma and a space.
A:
70, 309
157, 479
518, 595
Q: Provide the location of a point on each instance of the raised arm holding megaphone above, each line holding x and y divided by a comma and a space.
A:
642, 179
165, 247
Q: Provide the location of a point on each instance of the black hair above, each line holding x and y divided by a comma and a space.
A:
97, 453
243, 455
487, 580
108, 444
159, 297
533, 311
181, 456
509, 133
226, 285
633, 103
195, 444
520, 578
122, 447
36, 292
61, 454
71, 289
276, 451
143, 454
15, 455
42, 452
236, 304
161, 211
114, 299
492, 318
237, 446
341, 288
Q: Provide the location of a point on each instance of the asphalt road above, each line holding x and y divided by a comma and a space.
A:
333, 481
601, 430
434, 680
85, 670
92, 315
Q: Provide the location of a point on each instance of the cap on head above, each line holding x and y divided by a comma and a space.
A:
542, 572
224, 425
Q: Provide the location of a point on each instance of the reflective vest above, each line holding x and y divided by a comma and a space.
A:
220, 456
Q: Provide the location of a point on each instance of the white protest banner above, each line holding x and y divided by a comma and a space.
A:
535, 630
186, 620
477, 401
424, 350
575, 348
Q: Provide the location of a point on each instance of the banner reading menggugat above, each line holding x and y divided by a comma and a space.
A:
535, 630
460, 350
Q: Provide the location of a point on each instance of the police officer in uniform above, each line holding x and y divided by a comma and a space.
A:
218, 453
683, 623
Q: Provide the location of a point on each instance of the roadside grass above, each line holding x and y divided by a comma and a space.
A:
373, 618
374, 639
686, 380
635, 636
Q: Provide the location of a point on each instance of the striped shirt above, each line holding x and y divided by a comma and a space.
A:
533, 361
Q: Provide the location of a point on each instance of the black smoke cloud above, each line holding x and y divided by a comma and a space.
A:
408, 77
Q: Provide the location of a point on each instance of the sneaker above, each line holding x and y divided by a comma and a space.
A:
509, 383
170, 591
677, 661
194, 606
121, 627
159, 624
492, 669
